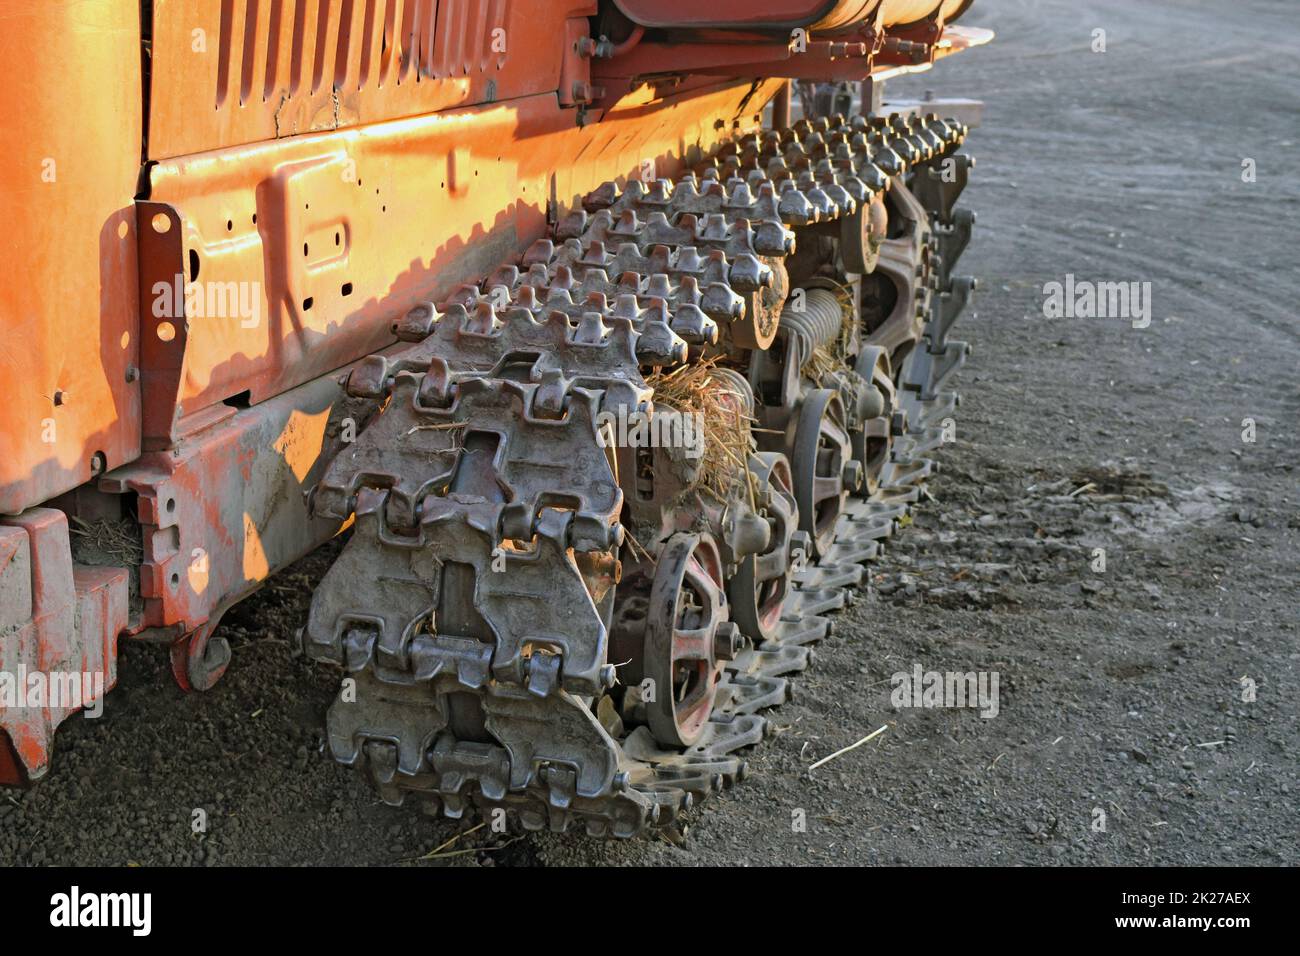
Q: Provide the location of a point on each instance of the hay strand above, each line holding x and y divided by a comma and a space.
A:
728, 440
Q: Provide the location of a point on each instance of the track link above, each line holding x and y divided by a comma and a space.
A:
477, 610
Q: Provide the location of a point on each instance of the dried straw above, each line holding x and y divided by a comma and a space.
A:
118, 540
728, 439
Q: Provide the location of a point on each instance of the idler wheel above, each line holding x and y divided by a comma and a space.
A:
823, 456
687, 637
873, 442
759, 587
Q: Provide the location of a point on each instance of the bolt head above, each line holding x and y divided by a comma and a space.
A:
725, 641
853, 474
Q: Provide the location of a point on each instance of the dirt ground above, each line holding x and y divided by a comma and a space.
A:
1120, 691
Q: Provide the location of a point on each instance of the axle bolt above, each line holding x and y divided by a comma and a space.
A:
725, 641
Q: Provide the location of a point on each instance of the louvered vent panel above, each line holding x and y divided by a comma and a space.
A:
275, 68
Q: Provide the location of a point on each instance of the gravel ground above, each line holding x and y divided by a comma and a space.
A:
1119, 691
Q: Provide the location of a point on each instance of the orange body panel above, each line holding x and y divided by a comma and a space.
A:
233, 72
68, 172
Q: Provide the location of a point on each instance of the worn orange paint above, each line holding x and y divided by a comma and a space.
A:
228, 73
68, 173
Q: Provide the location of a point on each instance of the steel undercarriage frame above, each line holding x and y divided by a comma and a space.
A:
489, 686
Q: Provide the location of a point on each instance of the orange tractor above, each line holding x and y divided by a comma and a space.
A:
612, 374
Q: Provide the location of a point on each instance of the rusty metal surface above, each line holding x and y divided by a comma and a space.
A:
499, 617
227, 506
59, 624
68, 300
848, 40
820, 15
880, 55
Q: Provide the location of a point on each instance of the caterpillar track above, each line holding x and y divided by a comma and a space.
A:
536, 617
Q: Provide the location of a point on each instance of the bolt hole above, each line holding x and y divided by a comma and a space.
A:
58, 398
307, 303
230, 225
166, 331
347, 288
161, 223
304, 249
